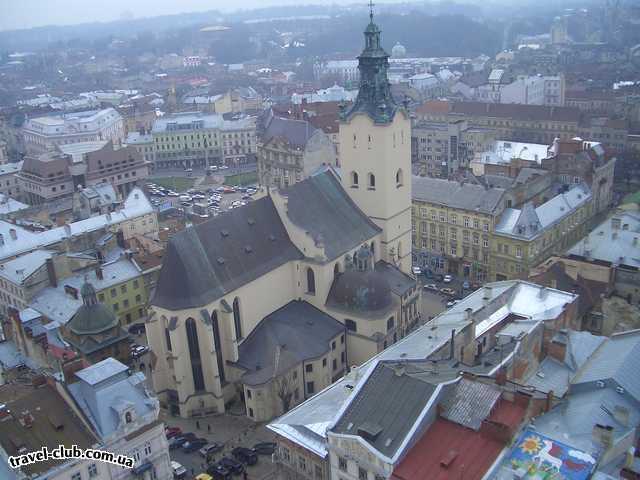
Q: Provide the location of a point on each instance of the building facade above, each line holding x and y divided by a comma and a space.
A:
46, 133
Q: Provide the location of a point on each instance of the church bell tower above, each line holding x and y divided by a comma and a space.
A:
375, 152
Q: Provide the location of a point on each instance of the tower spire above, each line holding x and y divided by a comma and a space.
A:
371, 5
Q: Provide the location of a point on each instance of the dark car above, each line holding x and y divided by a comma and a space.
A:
177, 442
232, 465
172, 432
245, 455
219, 472
193, 444
264, 448
137, 328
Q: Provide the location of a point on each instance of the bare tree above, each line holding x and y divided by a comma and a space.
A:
284, 391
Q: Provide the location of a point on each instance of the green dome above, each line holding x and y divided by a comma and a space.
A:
92, 319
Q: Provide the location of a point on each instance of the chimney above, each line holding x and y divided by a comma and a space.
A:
13, 234
467, 313
51, 273
108, 217
67, 229
635, 241
542, 293
99, 274
621, 414
452, 344
486, 297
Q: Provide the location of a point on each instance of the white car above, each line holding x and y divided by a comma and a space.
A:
178, 470
447, 279
416, 270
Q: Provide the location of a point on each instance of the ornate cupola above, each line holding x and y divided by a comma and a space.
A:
374, 96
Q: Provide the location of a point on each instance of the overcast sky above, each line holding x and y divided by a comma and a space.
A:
16, 14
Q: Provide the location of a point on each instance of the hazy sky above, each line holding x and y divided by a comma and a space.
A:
15, 14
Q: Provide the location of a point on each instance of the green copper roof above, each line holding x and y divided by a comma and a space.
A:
374, 97
92, 319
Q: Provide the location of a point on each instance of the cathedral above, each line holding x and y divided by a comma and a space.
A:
272, 302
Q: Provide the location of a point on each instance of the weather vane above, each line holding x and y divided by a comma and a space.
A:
371, 5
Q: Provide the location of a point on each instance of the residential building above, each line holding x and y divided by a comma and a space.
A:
527, 236
591, 431
124, 416
4, 154
522, 123
507, 158
291, 150
136, 217
350, 430
453, 224
143, 143
52, 176
195, 139
443, 148
340, 244
44, 134
575, 161
9, 184
38, 416
344, 71
238, 100
535, 90
613, 244
96, 200
331, 94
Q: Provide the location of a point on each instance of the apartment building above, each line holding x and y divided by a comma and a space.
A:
527, 236
9, 184
442, 148
43, 134
54, 175
239, 144
453, 224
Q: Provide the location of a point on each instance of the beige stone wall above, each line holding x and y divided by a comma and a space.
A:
382, 151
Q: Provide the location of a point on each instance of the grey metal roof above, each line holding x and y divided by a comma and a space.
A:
389, 404
21, 268
296, 132
617, 359
457, 195
103, 395
207, 261
469, 403
399, 282
298, 330
320, 206
613, 244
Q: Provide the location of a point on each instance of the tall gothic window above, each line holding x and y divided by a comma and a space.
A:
217, 344
194, 354
311, 281
371, 181
399, 178
237, 322
354, 179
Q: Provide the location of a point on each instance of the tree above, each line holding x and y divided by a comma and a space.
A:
284, 390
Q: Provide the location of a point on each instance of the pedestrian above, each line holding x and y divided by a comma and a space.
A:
209, 427
198, 424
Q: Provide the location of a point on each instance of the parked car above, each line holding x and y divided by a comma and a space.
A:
452, 303
264, 448
219, 472
448, 291
431, 286
172, 432
193, 445
232, 465
177, 442
466, 285
204, 476
139, 350
245, 455
416, 270
447, 279
210, 448
179, 471
137, 328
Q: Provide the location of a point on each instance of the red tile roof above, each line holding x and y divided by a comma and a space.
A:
450, 451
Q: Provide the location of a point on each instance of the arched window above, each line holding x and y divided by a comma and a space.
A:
311, 281
390, 324
354, 179
371, 181
237, 323
217, 345
399, 178
373, 250
194, 354
351, 325
128, 418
